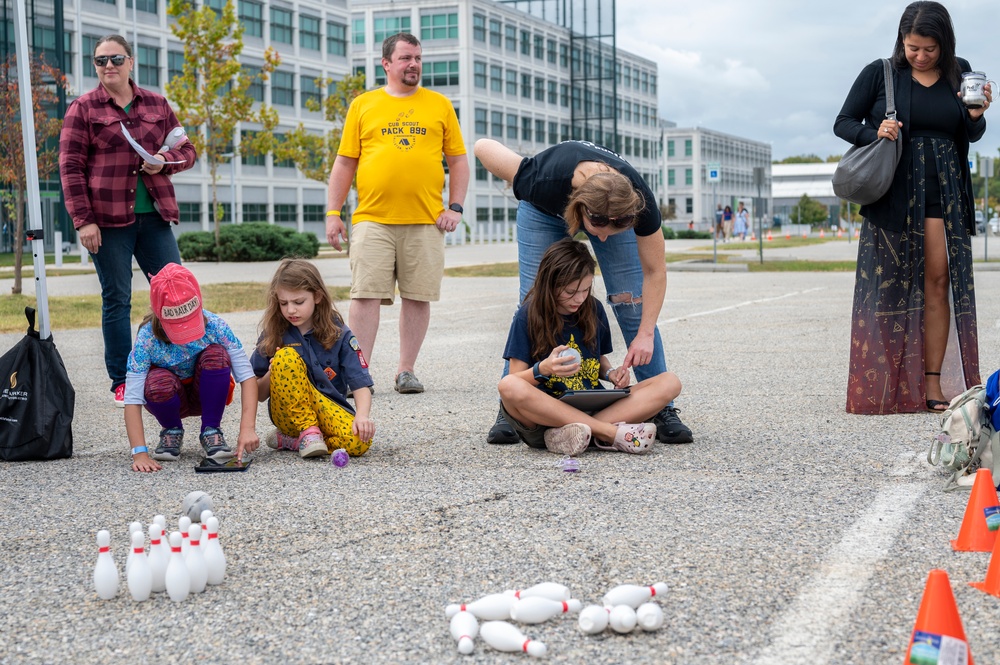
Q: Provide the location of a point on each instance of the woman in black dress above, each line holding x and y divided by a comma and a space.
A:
914, 274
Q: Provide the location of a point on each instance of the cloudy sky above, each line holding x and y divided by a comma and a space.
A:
778, 70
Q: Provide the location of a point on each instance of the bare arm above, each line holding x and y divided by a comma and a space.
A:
458, 186
248, 440
341, 177
654, 288
498, 159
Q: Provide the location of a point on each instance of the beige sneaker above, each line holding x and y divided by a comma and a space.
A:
570, 439
311, 443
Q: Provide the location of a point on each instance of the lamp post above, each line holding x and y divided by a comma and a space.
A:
232, 183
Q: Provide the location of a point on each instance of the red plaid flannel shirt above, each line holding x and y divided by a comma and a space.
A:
99, 169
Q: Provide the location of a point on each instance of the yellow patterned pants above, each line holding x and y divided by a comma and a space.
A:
296, 405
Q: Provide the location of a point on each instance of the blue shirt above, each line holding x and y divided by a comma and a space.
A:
148, 352
588, 378
343, 358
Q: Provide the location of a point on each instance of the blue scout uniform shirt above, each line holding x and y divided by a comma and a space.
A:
588, 378
343, 358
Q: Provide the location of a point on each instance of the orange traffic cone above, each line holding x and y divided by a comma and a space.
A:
805, 235
821, 234
938, 626
840, 233
753, 236
974, 535
857, 233
788, 235
768, 235
991, 584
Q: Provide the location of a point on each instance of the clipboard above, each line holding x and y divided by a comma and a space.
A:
592, 401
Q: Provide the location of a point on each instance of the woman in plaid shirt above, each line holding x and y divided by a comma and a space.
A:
121, 205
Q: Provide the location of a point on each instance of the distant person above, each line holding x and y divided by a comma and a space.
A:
742, 222
718, 221
394, 138
727, 223
914, 275
182, 365
559, 313
306, 360
121, 205
579, 186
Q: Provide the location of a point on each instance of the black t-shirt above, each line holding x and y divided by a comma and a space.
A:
546, 180
933, 111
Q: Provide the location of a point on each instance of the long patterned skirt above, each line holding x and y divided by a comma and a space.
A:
887, 326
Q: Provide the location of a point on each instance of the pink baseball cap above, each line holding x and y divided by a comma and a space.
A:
176, 299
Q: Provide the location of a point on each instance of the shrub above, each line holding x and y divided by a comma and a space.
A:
668, 233
255, 241
688, 234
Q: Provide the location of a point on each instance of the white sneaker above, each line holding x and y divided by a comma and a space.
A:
571, 439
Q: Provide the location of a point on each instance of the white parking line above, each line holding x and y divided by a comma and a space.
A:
806, 632
738, 305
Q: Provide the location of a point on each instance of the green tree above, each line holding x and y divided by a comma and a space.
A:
809, 211
45, 80
801, 159
212, 91
312, 153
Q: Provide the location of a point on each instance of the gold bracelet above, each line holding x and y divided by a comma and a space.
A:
333, 213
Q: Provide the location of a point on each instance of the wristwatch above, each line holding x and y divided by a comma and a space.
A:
457, 207
537, 370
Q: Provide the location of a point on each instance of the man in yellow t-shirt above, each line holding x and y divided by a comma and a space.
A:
393, 139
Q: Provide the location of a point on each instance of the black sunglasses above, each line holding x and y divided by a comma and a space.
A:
116, 60
623, 222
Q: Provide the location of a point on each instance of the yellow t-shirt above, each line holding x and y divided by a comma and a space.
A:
399, 142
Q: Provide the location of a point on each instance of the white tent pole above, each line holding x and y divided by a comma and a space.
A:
31, 166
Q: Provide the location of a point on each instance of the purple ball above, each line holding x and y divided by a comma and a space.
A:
340, 457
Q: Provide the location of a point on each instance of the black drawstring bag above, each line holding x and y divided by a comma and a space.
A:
36, 400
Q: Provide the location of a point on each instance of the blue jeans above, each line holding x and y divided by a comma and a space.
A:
152, 242
618, 257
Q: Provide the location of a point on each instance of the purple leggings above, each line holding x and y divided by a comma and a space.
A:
170, 398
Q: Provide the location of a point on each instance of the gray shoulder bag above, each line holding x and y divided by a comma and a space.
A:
865, 172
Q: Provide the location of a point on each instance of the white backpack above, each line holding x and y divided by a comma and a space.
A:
967, 441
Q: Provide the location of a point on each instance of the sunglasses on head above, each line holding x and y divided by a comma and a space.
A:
116, 60
623, 222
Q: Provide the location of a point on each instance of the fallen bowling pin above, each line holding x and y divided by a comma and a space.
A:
536, 609
503, 636
622, 619
649, 616
549, 590
105, 570
632, 594
493, 607
464, 627
594, 619
139, 577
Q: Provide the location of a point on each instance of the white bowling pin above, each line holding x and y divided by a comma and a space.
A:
132, 528
549, 590
464, 628
184, 526
205, 514
164, 541
162, 521
650, 616
535, 609
105, 571
158, 558
215, 558
493, 607
594, 619
503, 636
139, 577
633, 595
195, 561
622, 619
178, 579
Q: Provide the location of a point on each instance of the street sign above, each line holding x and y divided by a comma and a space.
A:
714, 171
986, 166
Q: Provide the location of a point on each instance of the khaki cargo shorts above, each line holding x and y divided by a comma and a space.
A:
384, 255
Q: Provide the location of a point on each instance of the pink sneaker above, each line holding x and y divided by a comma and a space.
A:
120, 396
311, 443
635, 439
279, 441
571, 439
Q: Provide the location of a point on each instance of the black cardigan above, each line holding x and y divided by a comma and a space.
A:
866, 102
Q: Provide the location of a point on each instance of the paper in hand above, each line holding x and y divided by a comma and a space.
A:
139, 149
